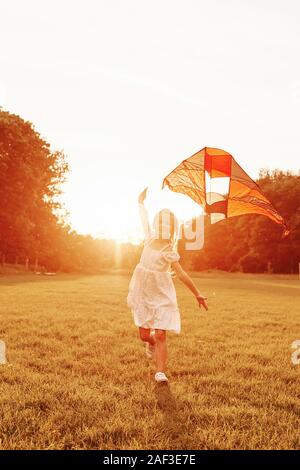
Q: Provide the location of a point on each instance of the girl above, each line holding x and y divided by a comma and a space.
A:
152, 296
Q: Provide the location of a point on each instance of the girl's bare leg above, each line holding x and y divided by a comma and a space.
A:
160, 350
145, 335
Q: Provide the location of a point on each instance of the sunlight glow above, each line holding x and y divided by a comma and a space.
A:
118, 217
127, 105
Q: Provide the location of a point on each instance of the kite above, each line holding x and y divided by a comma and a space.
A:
196, 175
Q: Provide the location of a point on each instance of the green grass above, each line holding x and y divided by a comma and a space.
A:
77, 377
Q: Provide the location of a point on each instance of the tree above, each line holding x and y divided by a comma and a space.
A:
254, 243
30, 178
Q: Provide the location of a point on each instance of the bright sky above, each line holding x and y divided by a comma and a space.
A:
128, 89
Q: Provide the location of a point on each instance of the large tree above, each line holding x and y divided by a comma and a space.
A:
31, 174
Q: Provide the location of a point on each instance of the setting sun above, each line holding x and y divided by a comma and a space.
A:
113, 212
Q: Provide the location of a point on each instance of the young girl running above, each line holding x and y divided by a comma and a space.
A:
152, 296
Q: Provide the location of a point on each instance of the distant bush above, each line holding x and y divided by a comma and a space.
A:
251, 264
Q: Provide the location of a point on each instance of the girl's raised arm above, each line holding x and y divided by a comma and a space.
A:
144, 214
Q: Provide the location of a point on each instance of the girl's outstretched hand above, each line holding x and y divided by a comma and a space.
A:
143, 195
202, 301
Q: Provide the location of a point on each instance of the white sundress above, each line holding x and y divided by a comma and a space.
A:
152, 295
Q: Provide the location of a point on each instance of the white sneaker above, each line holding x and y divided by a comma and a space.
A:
161, 377
149, 350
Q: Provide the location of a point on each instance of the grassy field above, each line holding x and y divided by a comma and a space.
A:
77, 377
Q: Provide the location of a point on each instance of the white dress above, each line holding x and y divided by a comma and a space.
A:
152, 295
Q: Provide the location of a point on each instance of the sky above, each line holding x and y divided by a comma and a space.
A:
128, 89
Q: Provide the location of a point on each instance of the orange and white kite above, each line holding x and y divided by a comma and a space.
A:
195, 176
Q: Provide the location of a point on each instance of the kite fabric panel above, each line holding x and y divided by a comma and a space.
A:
194, 176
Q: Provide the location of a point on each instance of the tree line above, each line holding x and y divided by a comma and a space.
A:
34, 231
253, 243
33, 226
